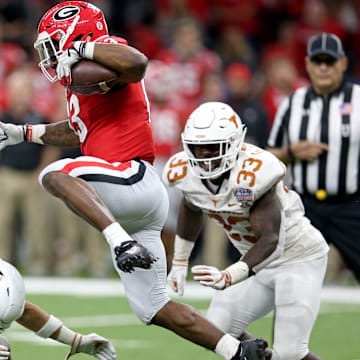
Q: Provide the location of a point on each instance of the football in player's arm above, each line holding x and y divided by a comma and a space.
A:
14, 307
283, 257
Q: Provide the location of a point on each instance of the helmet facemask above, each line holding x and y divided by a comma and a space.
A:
49, 52
213, 167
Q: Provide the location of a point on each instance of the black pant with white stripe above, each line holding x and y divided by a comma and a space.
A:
339, 221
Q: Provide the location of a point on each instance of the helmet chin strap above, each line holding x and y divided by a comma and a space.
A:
69, 31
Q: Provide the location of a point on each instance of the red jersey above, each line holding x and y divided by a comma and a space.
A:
115, 126
168, 121
187, 74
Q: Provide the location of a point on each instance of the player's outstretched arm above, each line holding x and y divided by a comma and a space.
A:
44, 325
59, 134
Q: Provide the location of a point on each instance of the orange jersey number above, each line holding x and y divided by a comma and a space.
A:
252, 165
232, 220
178, 170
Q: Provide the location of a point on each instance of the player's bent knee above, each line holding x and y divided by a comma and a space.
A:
54, 183
49, 181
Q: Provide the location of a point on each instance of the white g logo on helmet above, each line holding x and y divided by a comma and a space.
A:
12, 294
213, 123
66, 12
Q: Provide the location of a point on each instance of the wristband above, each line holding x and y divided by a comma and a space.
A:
182, 250
49, 327
238, 272
34, 133
89, 50
69, 337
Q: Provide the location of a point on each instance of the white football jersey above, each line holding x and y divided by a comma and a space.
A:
255, 172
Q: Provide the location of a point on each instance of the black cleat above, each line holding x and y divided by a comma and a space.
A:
130, 254
253, 349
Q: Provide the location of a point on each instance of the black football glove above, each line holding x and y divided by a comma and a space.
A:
253, 349
130, 254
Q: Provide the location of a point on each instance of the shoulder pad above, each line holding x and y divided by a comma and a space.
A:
175, 169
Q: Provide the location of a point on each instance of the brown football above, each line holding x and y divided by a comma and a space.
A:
89, 77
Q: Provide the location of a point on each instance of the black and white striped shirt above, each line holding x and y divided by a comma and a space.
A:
335, 121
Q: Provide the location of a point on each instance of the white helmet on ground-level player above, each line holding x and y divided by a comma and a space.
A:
12, 295
213, 123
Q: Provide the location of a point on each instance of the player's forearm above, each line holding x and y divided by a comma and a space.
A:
58, 134
261, 251
33, 318
128, 62
190, 221
265, 220
284, 153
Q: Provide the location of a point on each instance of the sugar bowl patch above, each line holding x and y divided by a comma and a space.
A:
244, 197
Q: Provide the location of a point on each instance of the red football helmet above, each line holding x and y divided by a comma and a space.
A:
61, 25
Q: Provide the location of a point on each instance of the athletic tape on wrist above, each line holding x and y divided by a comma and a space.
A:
49, 327
89, 50
182, 250
69, 337
34, 133
238, 271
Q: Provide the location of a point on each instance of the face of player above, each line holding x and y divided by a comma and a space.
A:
206, 152
326, 72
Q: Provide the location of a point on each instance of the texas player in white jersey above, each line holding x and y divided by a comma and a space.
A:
14, 307
114, 186
283, 257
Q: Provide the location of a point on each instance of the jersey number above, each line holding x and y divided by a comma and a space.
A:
174, 173
76, 123
228, 226
248, 176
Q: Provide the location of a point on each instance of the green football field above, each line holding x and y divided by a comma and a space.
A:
336, 335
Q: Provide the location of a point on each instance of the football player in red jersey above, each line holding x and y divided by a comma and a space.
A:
114, 182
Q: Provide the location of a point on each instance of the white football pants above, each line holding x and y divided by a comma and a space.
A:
137, 198
292, 290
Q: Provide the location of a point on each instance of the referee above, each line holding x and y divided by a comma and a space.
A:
317, 133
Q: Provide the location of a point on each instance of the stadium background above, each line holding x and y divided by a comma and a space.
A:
249, 53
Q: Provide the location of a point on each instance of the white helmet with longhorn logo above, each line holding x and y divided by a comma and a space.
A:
213, 123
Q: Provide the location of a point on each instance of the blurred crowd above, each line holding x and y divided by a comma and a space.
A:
248, 53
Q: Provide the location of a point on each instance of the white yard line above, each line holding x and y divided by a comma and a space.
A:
14, 334
85, 321
113, 287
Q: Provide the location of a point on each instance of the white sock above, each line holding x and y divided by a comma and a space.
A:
227, 347
115, 234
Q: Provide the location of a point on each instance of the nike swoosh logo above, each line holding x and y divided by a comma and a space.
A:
230, 204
